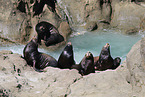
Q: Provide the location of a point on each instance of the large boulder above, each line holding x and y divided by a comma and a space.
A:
128, 16
136, 65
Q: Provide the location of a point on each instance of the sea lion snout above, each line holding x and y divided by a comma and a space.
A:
88, 54
69, 43
107, 45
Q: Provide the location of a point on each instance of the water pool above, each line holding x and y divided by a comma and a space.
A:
83, 41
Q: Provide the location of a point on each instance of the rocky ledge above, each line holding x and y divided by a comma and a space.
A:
19, 80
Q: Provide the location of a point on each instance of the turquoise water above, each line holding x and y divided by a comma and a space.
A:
83, 41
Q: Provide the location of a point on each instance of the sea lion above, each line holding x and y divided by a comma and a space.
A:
66, 59
117, 62
86, 66
48, 33
38, 7
21, 6
51, 4
105, 61
37, 59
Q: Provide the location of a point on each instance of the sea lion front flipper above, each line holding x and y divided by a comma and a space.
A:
38, 70
38, 39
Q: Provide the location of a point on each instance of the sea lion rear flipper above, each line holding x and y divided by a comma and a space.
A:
54, 39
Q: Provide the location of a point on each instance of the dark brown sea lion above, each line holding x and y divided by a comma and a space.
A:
51, 4
38, 7
105, 61
48, 33
21, 6
66, 59
86, 66
36, 59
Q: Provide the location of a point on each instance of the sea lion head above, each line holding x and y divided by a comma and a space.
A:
87, 64
31, 46
87, 59
66, 59
68, 47
42, 28
106, 49
89, 55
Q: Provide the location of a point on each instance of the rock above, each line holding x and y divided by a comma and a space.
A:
131, 31
21, 80
19, 27
142, 52
135, 63
65, 29
103, 24
80, 12
4, 52
91, 26
127, 16
102, 84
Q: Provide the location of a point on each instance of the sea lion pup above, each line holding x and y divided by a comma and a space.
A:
66, 59
36, 59
86, 66
48, 33
104, 61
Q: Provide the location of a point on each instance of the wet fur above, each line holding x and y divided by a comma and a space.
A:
37, 59
86, 66
48, 33
104, 61
66, 59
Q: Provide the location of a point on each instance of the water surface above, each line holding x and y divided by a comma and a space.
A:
83, 41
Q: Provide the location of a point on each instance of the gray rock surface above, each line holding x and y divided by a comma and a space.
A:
80, 12
136, 67
20, 80
128, 16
